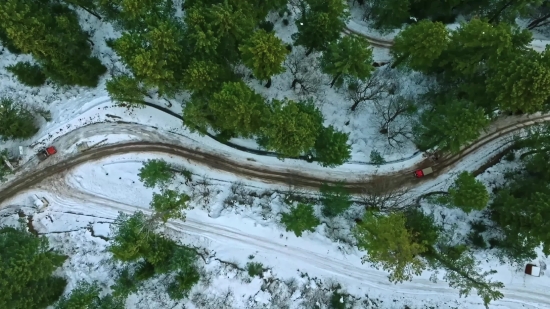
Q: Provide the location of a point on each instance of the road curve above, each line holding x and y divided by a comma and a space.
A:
32, 175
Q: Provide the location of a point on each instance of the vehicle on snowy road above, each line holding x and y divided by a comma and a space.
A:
423, 172
44, 153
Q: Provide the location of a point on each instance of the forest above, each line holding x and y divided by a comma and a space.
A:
206, 54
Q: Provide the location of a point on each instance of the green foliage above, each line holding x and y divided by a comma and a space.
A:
338, 301
335, 199
255, 269
523, 83
169, 204
7, 43
351, 56
420, 45
331, 147
125, 284
321, 24
86, 296
422, 227
238, 109
293, 127
467, 193
16, 121
183, 282
26, 268
300, 218
155, 172
201, 76
449, 125
126, 90
28, 74
50, 32
133, 14
389, 245
155, 55
264, 54
376, 158
4, 169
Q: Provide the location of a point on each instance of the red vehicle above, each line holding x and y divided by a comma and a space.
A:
423, 172
44, 153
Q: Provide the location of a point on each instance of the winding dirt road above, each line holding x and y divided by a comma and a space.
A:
153, 140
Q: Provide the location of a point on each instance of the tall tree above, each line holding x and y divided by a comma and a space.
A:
50, 32
331, 147
449, 125
301, 218
86, 296
351, 56
467, 193
264, 54
238, 109
155, 172
292, 128
201, 76
335, 199
169, 204
26, 270
389, 245
420, 45
16, 121
522, 83
28, 74
155, 55
321, 23
126, 90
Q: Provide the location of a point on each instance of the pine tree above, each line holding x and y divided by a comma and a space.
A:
86, 296
51, 33
155, 172
389, 245
26, 268
522, 83
349, 57
419, 46
155, 55
335, 199
126, 91
203, 40
292, 128
28, 74
320, 24
301, 218
169, 204
332, 148
389, 14
201, 76
16, 121
4, 169
449, 126
238, 109
467, 193
264, 54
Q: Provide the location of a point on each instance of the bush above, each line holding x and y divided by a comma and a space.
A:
301, 218
155, 172
16, 121
376, 158
336, 199
285, 22
255, 269
28, 74
511, 156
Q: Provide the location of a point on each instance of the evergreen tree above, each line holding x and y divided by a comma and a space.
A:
301, 218
4, 169
449, 125
51, 33
7, 43
523, 83
332, 148
264, 54
26, 268
467, 193
197, 116
202, 38
16, 121
335, 199
169, 204
155, 172
201, 76
126, 91
389, 14
321, 23
86, 296
155, 55
292, 128
419, 46
376, 158
349, 57
28, 74
390, 245
238, 109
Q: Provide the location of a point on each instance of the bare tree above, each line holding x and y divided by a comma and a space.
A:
383, 194
306, 77
378, 86
393, 116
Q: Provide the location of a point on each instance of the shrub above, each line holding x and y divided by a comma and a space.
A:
376, 158
16, 121
336, 199
266, 25
28, 74
255, 269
